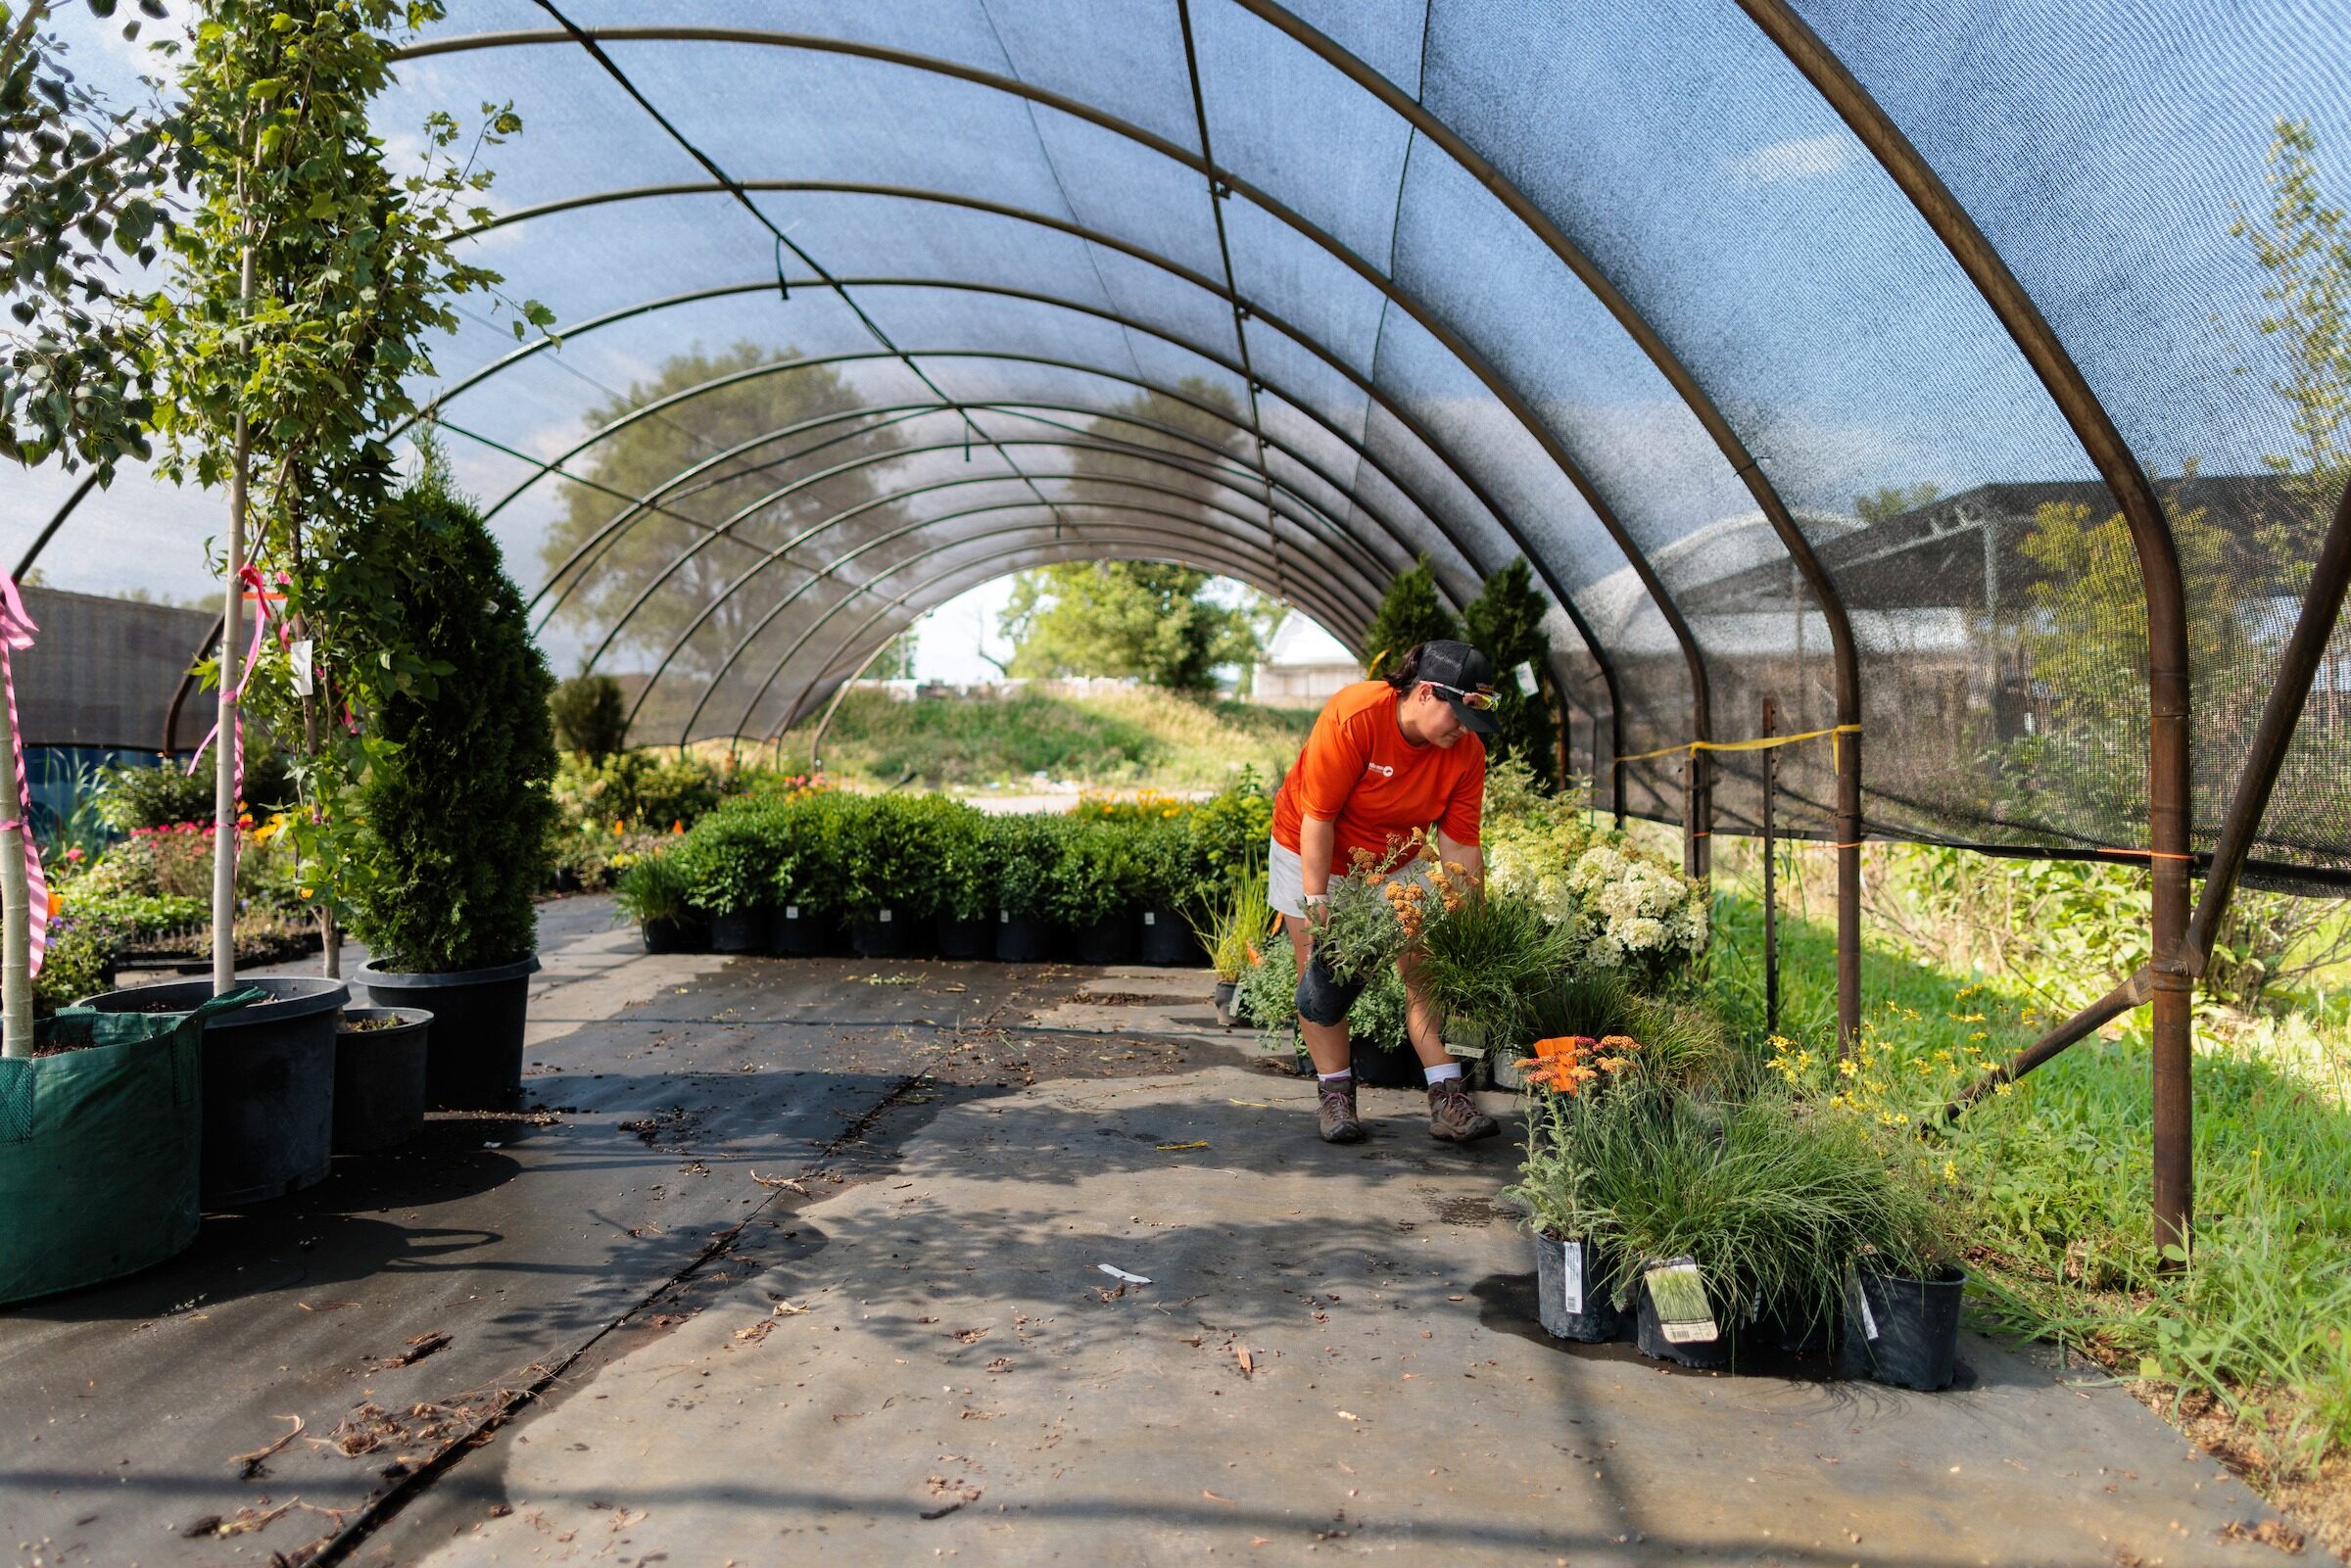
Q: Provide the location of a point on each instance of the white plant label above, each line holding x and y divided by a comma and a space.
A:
1003, 916
1526, 678
1150, 918
791, 912
886, 917
1573, 1256
298, 655
1859, 1300
1683, 1330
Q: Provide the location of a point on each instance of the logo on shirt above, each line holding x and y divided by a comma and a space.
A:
1380, 767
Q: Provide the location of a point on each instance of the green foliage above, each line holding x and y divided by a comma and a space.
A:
729, 862
645, 789
1889, 501
78, 960
134, 795
2305, 247
80, 184
1109, 738
1483, 958
1094, 872
1025, 851
1269, 994
592, 718
1233, 921
455, 803
1147, 619
1410, 614
1505, 623
759, 502
654, 887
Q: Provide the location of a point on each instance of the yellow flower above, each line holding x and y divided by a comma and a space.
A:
305, 892
2003, 1087
1950, 1172
1846, 1070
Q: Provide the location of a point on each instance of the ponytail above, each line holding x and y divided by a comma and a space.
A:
1405, 674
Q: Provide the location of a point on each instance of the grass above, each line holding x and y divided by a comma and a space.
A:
2055, 1177
1136, 737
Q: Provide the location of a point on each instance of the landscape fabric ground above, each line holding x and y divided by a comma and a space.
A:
811, 1261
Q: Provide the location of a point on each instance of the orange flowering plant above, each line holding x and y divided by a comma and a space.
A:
1375, 911
1567, 1064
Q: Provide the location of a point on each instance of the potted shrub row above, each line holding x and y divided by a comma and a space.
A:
811, 871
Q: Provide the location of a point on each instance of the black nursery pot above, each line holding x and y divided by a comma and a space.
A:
269, 1082
1164, 939
1376, 1068
879, 935
742, 930
474, 1061
1225, 993
1022, 939
964, 938
677, 935
1109, 939
379, 1080
1648, 1336
1571, 1293
796, 930
1902, 1331
1322, 997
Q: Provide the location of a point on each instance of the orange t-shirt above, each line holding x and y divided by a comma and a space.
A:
1360, 772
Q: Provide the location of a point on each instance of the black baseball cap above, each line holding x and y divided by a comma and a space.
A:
1463, 676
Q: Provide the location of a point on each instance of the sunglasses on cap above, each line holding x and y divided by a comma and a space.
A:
1481, 699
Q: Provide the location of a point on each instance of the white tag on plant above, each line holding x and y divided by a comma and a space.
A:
791, 912
886, 917
298, 655
1677, 1293
1150, 918
1003, 916
1858, 1300
1526, 678
1572, 1254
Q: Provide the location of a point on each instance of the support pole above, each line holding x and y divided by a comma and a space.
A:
224, 739
1849, 890
15, 904
1772, 889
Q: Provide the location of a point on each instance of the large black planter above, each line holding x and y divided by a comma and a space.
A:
739, 930
881, 934
269, 1082
1109, 939
964, 938
1376, 1068
379, 1078
1573, 1287
796, 930
474, 1062
674, 936
1902, 1331
1163, 938
1024, 938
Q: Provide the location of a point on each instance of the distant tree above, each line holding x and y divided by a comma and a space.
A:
1505, 623
591, 717
1410, 614
1141, 618
646, 455
895, 661
1890, 501
1132, 423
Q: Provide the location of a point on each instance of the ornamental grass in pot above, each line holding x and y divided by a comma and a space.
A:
652, 891
456, 803
1228, 928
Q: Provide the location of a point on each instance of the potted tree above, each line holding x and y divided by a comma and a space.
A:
653, 891
457, 804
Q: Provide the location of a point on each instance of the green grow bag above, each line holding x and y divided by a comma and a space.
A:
98, 1146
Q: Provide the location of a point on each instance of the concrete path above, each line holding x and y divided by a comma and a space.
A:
800, 1262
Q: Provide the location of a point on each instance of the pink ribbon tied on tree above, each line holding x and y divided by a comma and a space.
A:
256, 594
15, 635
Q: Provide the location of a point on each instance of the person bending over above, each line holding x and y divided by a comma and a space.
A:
1387, 759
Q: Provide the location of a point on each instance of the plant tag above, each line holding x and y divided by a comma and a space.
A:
1003, 916
1573, 1256
1858, 1300
1526, 678
298, 655
886, 917
791, 912
1473, 1052
1677, 1292
1150, 918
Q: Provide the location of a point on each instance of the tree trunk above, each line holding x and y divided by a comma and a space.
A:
224, 737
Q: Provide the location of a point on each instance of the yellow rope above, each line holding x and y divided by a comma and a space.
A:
1762, 743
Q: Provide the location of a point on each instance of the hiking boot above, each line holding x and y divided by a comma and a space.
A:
1453, 1118
1340, 1123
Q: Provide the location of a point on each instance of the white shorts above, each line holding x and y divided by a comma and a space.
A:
1285, 881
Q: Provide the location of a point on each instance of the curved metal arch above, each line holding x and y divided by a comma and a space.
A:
1321, 606
1176, 543
2171, 800
726, 526
1701, 704
677, 487
1592, 643
1362, 589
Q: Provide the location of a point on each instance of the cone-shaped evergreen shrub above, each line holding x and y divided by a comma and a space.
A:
1410, 614
456, 807
1505, 624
